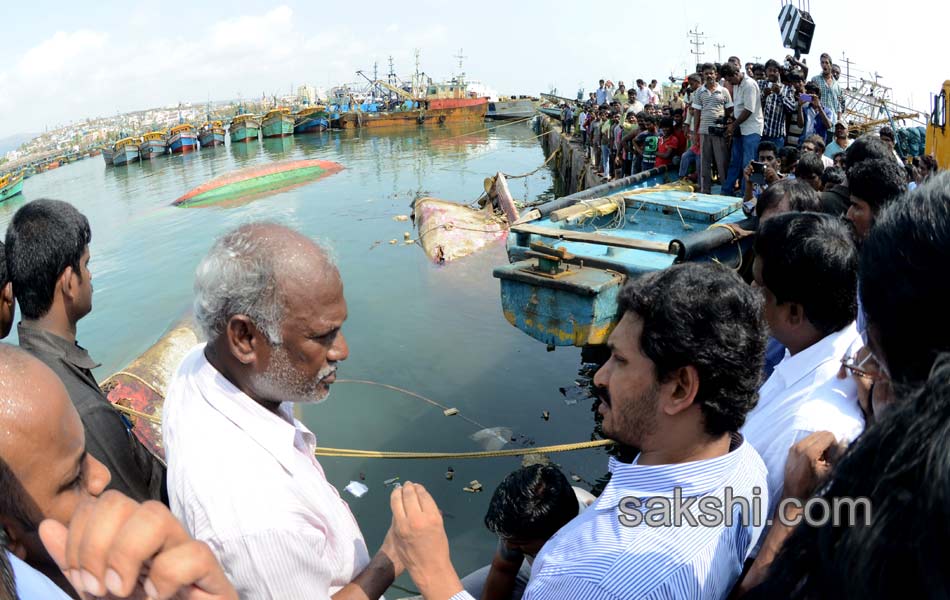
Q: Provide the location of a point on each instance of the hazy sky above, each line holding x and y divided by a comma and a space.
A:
70, 60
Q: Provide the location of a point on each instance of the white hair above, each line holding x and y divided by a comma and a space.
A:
239, 277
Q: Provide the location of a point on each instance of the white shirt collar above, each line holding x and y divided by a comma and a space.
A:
274, 433
794, 368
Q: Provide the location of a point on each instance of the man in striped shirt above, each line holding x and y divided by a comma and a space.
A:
683, 374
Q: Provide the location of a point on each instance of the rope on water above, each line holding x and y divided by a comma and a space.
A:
544, 164
351, 453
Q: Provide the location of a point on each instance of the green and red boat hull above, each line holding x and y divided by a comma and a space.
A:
255, 181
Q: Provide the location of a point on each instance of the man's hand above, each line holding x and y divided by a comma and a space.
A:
421, 542
771, 175
392, 552
747, 172
116, 546
810, 462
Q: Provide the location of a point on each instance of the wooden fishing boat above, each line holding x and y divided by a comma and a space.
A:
124, 151
449, 230
211, 134
448, 102
182, 139
107, 155
245, 128
141, 385
314, 118
277, 123
570, 257
153, 144
10, 185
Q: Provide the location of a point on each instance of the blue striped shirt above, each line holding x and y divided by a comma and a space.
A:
595, 556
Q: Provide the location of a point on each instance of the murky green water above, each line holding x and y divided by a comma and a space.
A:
437, 331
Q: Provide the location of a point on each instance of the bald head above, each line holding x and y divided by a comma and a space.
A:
250, 270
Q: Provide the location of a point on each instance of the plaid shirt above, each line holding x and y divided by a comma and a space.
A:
776, 108
831, 96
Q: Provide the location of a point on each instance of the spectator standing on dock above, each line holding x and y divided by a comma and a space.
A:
817, 117
606, 143
746, 129
644, 95
816, 144
806, 267
582, 126
778, 105
887, 136
831, 96
47, 255
873, 185
841, 141
601, 95
647, 142
682, 375
594, 137
567, 119
242, 471
670, 147
621, 94
711, 103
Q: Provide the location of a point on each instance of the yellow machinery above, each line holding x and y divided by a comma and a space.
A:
938, 135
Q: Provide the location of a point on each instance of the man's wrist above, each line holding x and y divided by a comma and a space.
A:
438, 582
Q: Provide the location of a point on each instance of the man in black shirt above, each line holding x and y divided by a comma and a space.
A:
47, 257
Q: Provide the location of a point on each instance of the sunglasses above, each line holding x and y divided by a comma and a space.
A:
867, 367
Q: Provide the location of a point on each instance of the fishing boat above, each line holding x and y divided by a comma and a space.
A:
245, 127
277, 123
314, 118
10, 185
153, 144
510, 109
124, 151
570, 257
182, 138
107, 155
439, 103
211, 134
449, 231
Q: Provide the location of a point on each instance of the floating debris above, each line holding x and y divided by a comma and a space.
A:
473, 487
391, 481
362, 476
450, 473
357, 489
492, 438
546, 415
450, 412
407, 236
401, 218
575, 393
575, 477
393, 242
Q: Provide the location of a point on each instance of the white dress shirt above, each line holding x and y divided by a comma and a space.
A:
245, 480
804, 395
748, 97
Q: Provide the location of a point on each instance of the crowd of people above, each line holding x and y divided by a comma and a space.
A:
723, 116
819, 375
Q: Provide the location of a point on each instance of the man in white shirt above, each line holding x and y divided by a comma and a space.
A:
644, 94
242, 475
806, 267
746, 130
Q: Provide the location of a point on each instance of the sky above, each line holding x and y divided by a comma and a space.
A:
66, 61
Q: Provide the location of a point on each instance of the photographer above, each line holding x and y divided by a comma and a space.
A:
760, 174
746, 130
816, 116
778, 103
711, 104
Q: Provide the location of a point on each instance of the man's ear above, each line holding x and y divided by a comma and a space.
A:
680, 390
14, 537
244, 339
67, 283
795, 314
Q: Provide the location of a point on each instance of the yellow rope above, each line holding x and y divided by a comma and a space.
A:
351, 453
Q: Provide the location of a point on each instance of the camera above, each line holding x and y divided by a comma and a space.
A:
718, 127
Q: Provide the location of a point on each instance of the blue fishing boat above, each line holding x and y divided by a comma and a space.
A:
182, 138
153, 144
125, 151
107, 155
10, 185
211, 134
570, 257
314, 118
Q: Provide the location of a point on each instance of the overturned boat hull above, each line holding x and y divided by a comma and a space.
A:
255, 181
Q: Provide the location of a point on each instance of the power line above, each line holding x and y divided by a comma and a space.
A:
697, 43
719, 48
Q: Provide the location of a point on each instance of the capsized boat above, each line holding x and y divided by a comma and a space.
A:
142, 383
253, 182
449, 230
211, 134
245, 127
182, 138
314, 118
570, 257
277, 123
10, 185
124, 152
153, 144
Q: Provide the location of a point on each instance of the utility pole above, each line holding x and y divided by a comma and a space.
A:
697, 43
719, 48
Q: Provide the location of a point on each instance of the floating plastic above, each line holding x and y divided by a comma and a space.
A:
492, 438
357, 489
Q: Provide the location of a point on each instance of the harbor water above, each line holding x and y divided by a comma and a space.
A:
435, 330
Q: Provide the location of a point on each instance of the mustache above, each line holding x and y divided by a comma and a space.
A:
602, 394
326, 372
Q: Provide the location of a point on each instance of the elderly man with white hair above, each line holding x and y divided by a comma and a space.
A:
242, 475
